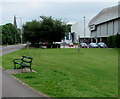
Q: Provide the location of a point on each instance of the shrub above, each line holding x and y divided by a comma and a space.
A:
53, 45
113, 41
117, 41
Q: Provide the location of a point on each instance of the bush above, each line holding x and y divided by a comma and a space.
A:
109, 41
118, 41
113, 41
75, 43
36, 45
53, 45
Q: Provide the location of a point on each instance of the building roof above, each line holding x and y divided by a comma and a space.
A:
105, 15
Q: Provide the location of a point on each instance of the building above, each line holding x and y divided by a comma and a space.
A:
104, 24
15, 23
79, 31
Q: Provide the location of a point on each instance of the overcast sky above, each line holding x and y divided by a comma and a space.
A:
71, 12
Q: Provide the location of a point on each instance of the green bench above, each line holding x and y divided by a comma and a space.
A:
23, 62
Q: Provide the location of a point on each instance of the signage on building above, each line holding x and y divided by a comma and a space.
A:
92, 27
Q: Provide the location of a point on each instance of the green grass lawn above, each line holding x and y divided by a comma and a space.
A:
67, 73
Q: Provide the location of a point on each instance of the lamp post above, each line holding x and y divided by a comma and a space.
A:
84, 29
78, 43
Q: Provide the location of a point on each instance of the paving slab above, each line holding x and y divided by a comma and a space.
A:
18, 71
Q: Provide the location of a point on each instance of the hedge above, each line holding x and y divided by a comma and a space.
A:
113, 41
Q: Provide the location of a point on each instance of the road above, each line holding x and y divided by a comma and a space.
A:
11, 87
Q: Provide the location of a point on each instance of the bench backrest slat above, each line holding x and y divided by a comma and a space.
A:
26, 59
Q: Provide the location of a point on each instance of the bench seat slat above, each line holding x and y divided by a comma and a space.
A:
24, 65
17, 62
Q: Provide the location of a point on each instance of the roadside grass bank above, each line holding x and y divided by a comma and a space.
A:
67, 73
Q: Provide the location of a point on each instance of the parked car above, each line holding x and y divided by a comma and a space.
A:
70, 44
83, 45
93, 45
102, 45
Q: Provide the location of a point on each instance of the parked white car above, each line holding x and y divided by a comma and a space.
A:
102, 45
93, 45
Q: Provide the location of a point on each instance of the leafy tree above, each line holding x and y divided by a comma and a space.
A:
10, 34
46, 30
31, 31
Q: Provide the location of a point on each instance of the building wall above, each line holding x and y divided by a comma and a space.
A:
106, 29
78, 29
94, 34
116, 26
99, 31
110, 28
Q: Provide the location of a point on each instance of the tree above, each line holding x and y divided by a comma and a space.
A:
31, 31
10, 34
46, 30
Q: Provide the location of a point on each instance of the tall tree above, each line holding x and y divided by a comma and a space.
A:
46, 30
10, 34
31, 31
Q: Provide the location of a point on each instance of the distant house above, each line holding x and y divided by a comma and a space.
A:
104, 24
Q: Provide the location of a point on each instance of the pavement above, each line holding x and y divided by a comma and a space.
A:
10, 48
18, 71
10, 87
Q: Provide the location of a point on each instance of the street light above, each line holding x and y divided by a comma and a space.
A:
78, 43
84, 29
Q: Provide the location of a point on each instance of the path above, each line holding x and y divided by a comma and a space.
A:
12, 87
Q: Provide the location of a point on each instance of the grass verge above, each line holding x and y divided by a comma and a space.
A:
67, 73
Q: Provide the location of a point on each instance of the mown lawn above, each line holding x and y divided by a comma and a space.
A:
67, 73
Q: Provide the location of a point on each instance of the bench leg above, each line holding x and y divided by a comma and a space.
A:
14, 66
22, 69
30, 69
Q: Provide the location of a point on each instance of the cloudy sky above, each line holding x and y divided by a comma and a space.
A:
71, 12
